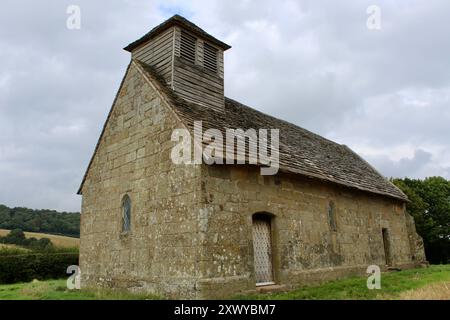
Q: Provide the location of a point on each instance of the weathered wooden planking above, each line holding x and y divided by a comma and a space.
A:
189, 82
158, 52
194, 99
200, 80
201, 96
155, 53
155, 41
186, 86
198, 70
191, 77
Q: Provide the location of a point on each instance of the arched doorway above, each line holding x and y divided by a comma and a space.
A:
262, 249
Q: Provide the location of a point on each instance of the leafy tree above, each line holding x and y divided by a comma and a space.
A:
44, 244
16, 236
430, 207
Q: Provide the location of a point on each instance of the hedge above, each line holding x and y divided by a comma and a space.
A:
29, 266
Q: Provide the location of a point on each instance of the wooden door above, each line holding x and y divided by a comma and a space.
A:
262, 250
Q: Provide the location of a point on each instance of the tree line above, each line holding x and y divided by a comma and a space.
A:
430, 206
44, 221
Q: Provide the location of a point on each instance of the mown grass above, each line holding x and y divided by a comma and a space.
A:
355, 288
57, 290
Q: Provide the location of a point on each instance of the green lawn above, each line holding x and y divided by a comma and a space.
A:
392, 285
57, 290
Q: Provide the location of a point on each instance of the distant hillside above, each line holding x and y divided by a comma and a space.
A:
42, 221
57, 240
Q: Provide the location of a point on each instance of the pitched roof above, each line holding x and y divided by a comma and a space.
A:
300, 151
180, 21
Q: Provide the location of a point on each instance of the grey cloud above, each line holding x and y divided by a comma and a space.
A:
420, 165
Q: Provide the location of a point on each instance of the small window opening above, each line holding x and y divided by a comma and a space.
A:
126, 213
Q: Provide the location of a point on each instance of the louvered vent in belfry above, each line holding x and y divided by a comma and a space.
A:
187, 48
210, 57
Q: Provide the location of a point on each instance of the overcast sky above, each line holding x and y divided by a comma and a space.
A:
384, 93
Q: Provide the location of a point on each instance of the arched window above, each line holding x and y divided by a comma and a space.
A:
126, 213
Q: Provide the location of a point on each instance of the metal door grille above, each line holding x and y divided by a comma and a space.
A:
262, 247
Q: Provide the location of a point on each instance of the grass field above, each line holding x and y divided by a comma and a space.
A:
427, 283
405, 284
59, 241
12, 246
435, 291
57, 290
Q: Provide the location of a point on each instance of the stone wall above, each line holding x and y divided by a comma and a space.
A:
415, 241
305, 249
133, 158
